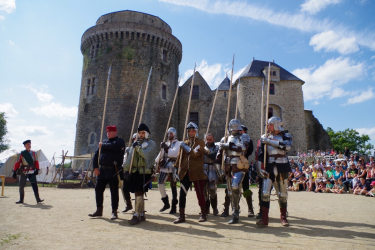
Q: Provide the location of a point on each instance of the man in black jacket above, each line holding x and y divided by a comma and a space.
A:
111, 151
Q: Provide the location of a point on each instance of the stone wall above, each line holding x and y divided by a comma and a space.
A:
316, 136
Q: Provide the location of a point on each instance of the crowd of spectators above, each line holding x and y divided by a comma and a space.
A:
328, 152
339, 176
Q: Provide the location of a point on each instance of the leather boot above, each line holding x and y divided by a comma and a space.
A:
235, 217
226, 207
181, 218
207, 206
283, 218
203, 214
259, 215
214, 206
249, 200
21, 199
174, 206
98, 212
264, 221
134, 220
38, 199
166, 204
114, 214
128, 207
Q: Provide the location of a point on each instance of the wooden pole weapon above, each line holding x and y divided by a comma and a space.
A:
267, 106
212, 111
187, 116
228, 109
135, 116
238, 90
105, 105
169, 120
261, 110
140, 118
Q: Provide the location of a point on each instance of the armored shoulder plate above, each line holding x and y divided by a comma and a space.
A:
245, 138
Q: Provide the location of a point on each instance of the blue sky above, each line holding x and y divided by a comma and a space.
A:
329, 44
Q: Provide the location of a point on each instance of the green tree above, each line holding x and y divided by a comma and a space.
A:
3, 133
349, 138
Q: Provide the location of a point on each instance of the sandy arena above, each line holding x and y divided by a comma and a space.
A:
327, 221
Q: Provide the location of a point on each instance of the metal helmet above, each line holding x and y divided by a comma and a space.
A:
234, 124
192, 125
277, 123
173, 131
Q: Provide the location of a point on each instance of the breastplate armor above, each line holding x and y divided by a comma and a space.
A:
282, 158
232, 157
206, 159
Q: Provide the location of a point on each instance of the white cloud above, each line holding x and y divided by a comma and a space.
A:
2, 17
338, 92
8, 109
41, 94
361, 97
31, 131
11, 42
373, 57
7, 5
325, 80
55, 110
314, 6
213, 74
316, 103
331, 41
298, 21
367, 131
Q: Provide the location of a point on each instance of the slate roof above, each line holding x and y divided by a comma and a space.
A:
254, 69
224, 85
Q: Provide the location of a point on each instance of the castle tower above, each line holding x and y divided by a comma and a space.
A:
131, 42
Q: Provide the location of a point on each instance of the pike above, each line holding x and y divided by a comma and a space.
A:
267, 106
140, 118
119, 180
238, 90
135, 116
105, 106
169, 120
212, 111
226, 127
187, 117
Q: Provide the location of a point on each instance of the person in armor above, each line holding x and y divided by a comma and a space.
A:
143, 161
232, 150
247, 193
128, 205
27, 167
167, 159
191, 170
213, 173
276, 170
111, 156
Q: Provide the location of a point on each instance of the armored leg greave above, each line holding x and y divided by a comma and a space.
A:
281, 187
266, 189
226, 204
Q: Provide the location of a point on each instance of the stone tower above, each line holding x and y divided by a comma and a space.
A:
131, 42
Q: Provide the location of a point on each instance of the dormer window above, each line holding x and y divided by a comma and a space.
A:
274, 73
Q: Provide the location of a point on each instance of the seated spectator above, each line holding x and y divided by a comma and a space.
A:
371, 160
362, 172
317, 153
372, 191
300, 164
356, 156
352, 173
370, 172
328, 187
319, 177
337, 174
335, 186
312, 165
352, 160
362, 161
297, 174
319, 165
319, 188
329, 172
295, 186
363, 187
344, 166
322, 153
302, 183
340, 155
312, 174
293, 165
331, 162
290, 179
341, 188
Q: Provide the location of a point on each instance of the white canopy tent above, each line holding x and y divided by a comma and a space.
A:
46, 172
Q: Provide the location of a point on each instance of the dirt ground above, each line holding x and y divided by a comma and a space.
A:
324, 221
